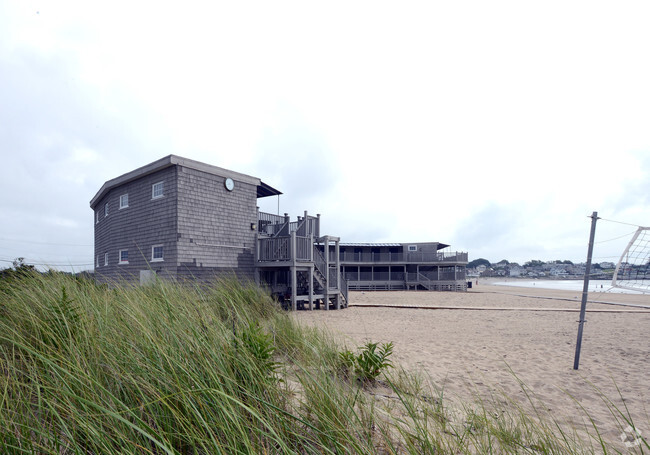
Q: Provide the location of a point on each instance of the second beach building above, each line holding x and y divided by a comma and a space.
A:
403, 266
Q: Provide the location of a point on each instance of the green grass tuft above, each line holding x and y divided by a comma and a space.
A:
218, 369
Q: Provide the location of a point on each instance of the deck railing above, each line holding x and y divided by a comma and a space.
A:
281, 249
414, 258
374, 275
272, 225
439, 275
274, 249
304, 248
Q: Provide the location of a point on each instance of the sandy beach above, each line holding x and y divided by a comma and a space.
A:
479, 342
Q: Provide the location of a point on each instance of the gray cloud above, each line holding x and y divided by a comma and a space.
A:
296, 159
58, 145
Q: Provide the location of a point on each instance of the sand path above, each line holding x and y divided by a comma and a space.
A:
472, 343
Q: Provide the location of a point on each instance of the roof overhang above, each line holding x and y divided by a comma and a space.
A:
264, 190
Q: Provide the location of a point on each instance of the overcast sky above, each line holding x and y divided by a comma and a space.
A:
495, 127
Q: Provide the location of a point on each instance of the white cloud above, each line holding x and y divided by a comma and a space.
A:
496, 127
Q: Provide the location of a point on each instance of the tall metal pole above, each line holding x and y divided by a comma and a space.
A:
585, 290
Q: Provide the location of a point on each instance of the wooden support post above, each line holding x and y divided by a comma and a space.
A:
585, 290
294, 300
337, 262
311, 287
294, 278
326, 254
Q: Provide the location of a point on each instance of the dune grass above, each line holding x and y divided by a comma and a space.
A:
218, 369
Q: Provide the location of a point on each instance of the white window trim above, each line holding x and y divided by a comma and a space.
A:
97, 217
105, 259
153, 190
127, 201
105, 210
97, 261
412, 248
153, 247
119, 256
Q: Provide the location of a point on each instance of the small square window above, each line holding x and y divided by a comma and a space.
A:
124, 201
124, 256
106, 209
157, 253
105, 258
157, 190
413, 247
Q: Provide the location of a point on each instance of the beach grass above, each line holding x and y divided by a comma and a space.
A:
218, 368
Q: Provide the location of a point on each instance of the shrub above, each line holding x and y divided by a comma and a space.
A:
369, 363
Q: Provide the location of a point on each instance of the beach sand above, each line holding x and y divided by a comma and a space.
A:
481, 342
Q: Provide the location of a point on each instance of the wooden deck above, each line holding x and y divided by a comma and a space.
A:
295, 259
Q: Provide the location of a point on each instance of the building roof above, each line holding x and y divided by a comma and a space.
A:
263, 190
376, 245
379, 245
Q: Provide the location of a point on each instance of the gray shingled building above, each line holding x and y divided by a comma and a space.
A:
179, 218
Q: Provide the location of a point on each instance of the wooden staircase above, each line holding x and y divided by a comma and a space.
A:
295, 247
324, 274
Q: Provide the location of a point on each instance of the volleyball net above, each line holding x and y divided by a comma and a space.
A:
633, 269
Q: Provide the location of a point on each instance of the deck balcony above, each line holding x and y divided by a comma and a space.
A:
402, 258
283, 240
270, 225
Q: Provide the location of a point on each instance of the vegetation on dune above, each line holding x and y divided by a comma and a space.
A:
218, 369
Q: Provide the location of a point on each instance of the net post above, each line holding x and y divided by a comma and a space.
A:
585, 289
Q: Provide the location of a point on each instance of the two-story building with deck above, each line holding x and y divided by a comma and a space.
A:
180, 218
183, 219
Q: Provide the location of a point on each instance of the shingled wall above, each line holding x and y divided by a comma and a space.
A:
144, 223
214, 226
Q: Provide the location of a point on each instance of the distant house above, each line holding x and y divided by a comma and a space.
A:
183, 219
515, 270
558, 272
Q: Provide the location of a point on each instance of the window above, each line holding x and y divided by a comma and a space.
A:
124, 201
157, 190
106, 210
156, 253
97, 217
413, 247
105, 258
124, 257
97, 261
